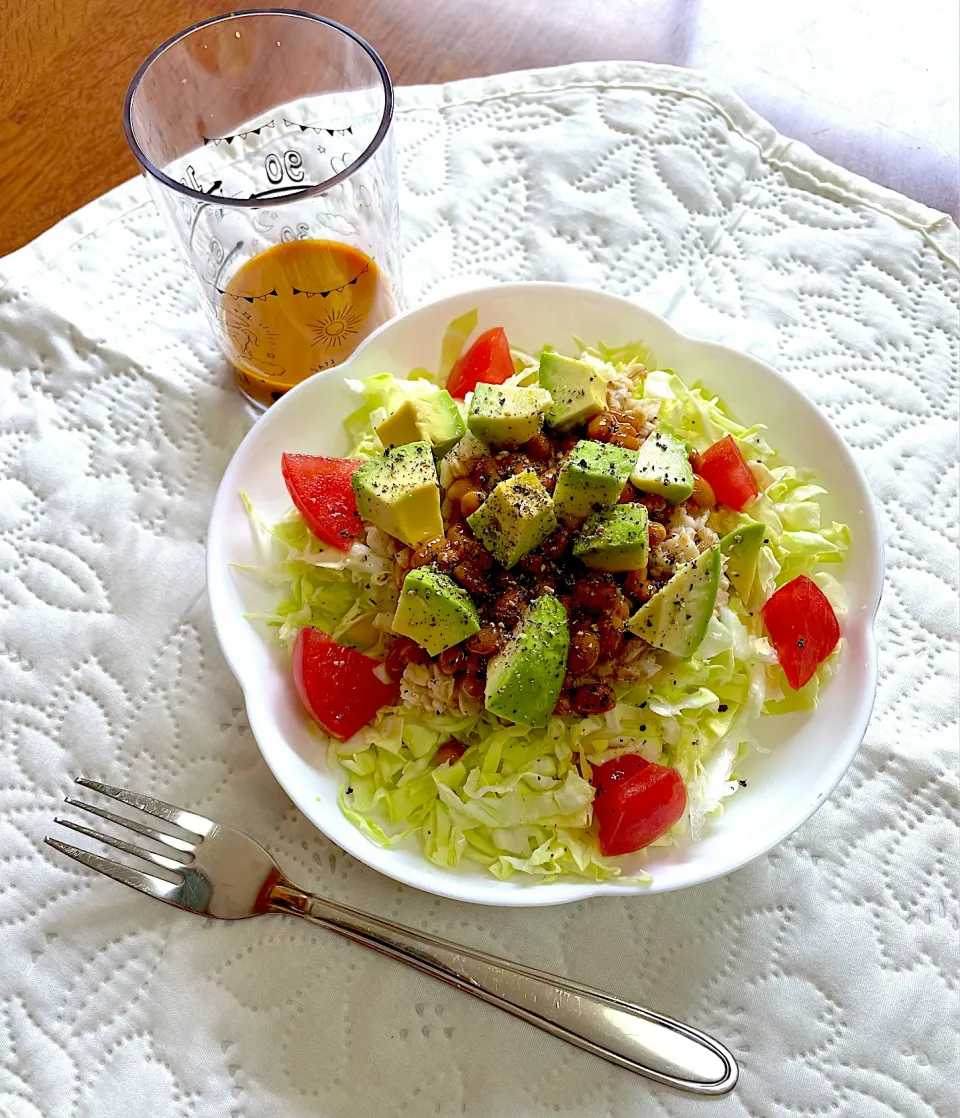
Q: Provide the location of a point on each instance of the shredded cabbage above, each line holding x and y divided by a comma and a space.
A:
700, 419
382, 395
514, 802
519, 800
338, 592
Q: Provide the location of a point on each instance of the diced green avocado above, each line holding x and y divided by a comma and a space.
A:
398, 492
662, 468
524, 680
516, 517
433, 419
742, 549
592, 479
676, 617
504, 415
434, 611
579, 392
616, 540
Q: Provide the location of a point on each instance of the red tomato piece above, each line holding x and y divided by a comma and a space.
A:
320, 488
729, 475
487, 360
803, 628
338, 686
636, 801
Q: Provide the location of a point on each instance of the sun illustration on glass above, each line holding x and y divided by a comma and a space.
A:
338, 324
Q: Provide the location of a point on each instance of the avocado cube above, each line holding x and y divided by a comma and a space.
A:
525, 678
592, 479
662, 467
742, 549
433, 419
434, 611
503, 415
578, 391
399, 493
676, 617
516, 517
616, 540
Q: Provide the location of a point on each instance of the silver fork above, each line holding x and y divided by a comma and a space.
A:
212, 869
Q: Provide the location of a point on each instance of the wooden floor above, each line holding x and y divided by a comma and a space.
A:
872, 84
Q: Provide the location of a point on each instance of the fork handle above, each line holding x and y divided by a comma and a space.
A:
626, 1034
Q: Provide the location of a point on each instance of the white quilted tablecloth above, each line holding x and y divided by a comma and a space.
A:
828, 966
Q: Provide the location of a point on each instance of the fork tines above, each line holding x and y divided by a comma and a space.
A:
177, 851
197, 825
157, 883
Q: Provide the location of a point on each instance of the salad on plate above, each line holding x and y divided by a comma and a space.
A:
541, 607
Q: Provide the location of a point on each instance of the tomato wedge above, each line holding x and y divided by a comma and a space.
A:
803, 628
338, 686
723, 466
320, 488
487, 360
635, 802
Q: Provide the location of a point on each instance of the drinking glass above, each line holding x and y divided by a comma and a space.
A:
265, 138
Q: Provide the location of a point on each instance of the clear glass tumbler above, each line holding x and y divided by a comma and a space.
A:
265, 137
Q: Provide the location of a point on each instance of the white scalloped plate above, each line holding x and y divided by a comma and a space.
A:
808, 754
